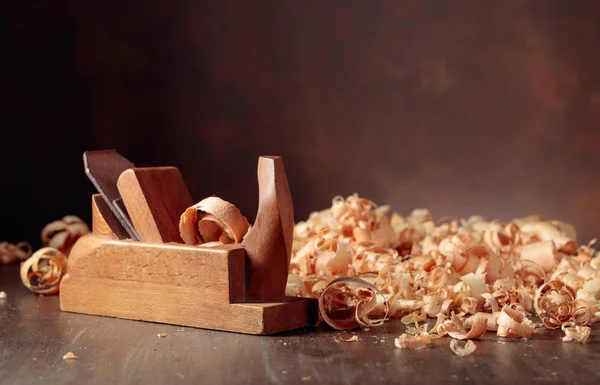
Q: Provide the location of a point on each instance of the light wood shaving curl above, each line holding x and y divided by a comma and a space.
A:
492, 320
43, 271
407, 341
513, 323
455, 328
555, 303
213, 219
347, 302
468, 348
576, 333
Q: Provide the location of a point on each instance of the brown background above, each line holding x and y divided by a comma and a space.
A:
460, 106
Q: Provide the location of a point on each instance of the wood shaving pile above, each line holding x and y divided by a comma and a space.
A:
472, 275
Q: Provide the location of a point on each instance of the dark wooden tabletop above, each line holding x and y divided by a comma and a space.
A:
35, 334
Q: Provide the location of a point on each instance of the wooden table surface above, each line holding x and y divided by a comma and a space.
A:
35, 334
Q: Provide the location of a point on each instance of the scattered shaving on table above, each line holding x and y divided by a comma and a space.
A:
70, 356
43, 271
351, 339
63, 234
10, 253
162, 335
468, 348
576, 333
407, 341
472, 274
306, 378
2, 295
213, 220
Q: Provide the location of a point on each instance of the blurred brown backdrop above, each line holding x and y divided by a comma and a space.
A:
460, 106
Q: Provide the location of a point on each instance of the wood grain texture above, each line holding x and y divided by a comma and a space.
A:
170, 283
182, 305
269, 242
35, 334
155, 198
101, 216
210, 269
104, 167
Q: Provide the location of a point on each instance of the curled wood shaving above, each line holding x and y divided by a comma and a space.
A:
492, 320
439, 329
311, 287
589, 305
351, 339
513, 323
468, 348
469, 305
347, 302
475, 284
491, 301
396, 304
542, 253
213, 219
2, 295
586, 253
588, 272
529, 273
576, 333
10, 253
555, 305
455, 328
407, 341
561, 234
70, 356
414, 317
417, 330
432, 305
63, 234
43, 271
333, 256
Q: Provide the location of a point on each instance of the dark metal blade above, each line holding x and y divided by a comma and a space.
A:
104, 167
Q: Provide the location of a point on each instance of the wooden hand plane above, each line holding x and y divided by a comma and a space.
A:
237, 287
